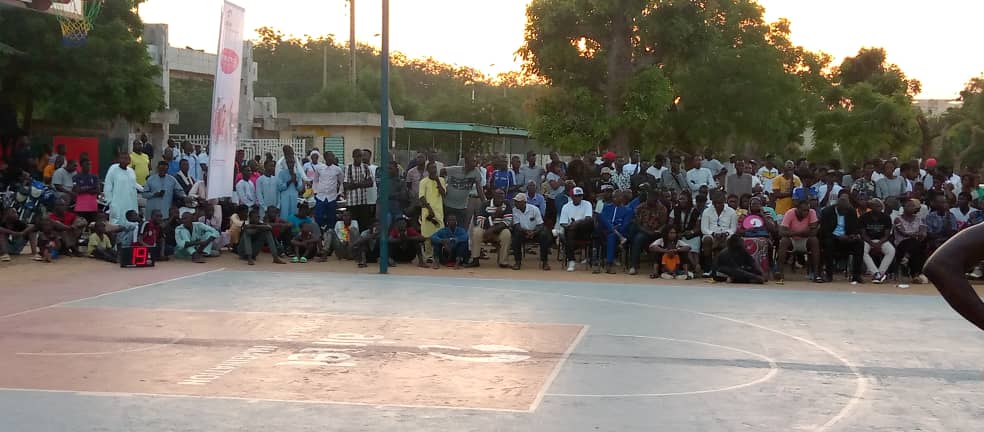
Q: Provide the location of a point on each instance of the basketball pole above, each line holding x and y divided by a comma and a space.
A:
384, 157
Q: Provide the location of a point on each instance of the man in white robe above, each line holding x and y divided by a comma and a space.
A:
120, 190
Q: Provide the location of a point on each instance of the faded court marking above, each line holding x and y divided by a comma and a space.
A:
99, 353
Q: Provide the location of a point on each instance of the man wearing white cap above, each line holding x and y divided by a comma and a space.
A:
528, 226
574, 224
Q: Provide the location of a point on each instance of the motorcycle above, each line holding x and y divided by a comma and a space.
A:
33, 200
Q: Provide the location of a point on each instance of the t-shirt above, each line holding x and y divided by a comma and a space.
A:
62, 177
99, 242
660, 243
67, 218
886, 187
876, 226
571, 212
411, 232
794, 224
151, 233
784, 185
460, 184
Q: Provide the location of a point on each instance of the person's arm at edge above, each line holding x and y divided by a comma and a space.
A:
961, 250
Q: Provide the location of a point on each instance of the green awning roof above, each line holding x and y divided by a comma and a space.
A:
467, 127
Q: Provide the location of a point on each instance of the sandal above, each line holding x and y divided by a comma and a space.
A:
653, 276
303, 260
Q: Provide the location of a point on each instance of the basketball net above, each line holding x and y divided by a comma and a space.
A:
75, 29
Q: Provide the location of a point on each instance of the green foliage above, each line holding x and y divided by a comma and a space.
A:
869, 109
672, 74
193, 100
964, 132
108, 77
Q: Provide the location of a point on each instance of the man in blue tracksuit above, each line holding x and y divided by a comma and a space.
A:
614, 222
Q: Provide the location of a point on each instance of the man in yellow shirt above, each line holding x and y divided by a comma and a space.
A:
140, 163
782, 188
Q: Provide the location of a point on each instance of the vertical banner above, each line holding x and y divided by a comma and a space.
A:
225, 102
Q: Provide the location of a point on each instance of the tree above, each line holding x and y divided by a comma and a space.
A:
869, 109
110, 76
672, 73
965, 126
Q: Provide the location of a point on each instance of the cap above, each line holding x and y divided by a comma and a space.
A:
578, 191
520, 197
610, 156
606, 170
931, 163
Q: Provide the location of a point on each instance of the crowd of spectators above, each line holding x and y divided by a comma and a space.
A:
741, 220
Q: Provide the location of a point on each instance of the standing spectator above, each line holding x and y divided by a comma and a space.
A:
173, 163
674, 180
642, 177
461, 183
798, 231
767, 173
414, 175
399, 198
184, 178
650, 221
890, 184
358, 180
741, 182
63, 183
289, 186
910, 240
698, 176
864, 184
657, 168
828, 189
711, 164
530, 171
717, 224
372, 192
450, 243
245, 189
516, 165
840, 234
327, 182
528, 226
86, 189
633, 167
502, 178
203, 159
621, 178
120, 190
148, 147
555, 159
575, 224
433, 190
605, 180
782, 188
194, 170
160, 191
267, 188
877, 234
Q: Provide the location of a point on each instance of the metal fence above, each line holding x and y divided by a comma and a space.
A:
253, 147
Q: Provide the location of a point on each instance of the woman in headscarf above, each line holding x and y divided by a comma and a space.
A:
290, 183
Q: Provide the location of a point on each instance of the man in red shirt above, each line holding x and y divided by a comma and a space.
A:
68, 226
405, 243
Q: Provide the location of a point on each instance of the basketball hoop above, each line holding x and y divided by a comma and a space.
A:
77, 21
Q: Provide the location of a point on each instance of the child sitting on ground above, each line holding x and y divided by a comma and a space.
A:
49, 240
100, 245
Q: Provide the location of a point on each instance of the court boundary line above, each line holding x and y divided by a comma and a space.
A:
68, 302
254, 400
557, 368
773, 371
861, 386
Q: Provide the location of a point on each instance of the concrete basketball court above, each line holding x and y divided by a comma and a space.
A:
231, 350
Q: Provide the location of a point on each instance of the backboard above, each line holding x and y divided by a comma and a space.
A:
67, 8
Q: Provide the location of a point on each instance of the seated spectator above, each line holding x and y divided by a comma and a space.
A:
14, 233
650, 221
344, 235
941, 224
717, 224
366, 248
236, 222
798, 232
604, 198
282, 229
910, 240
450, 244
962, 211
307, 244
613, 224
254, 235
757, 230
673, 256
492, 227
735, 265
211, 215
100, 246
69, 227
405, 243
167, 232
840, 234
685, 217
195, 240
876, 232
151, 235
575, 224
528, 227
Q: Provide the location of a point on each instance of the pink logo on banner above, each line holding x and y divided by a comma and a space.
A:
230, 61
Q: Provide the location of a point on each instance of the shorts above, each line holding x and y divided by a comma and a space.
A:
799, 245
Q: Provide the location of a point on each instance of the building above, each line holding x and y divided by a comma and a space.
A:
339, 133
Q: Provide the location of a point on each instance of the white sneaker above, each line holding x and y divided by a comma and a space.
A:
666, 276
877, 278
4, 258
977, 273
571, 266
681, 277
633, 271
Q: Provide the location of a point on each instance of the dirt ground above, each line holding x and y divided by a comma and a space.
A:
83, 277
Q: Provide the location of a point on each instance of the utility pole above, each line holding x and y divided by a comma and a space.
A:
352, 76
384, 143
324, 70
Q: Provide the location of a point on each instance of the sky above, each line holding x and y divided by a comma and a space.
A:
928, 40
